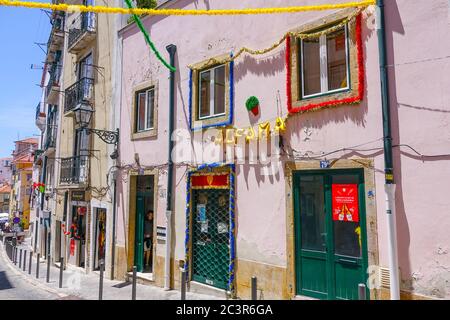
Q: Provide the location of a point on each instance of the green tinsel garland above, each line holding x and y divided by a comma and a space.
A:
147, 38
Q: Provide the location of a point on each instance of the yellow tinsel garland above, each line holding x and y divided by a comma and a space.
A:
181, 12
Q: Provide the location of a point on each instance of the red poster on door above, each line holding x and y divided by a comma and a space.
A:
345, 202
72, 247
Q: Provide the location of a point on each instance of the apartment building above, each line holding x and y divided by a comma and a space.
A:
5, 170
311, 219
272, 162
74, 205
22, 163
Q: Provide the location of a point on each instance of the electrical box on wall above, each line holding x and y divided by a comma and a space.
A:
161, 233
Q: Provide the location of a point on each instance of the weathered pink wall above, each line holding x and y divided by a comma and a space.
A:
420, 116
418, 51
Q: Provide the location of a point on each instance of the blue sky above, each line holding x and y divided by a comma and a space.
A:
20, 28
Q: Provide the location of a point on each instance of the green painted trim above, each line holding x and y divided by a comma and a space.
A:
327, 175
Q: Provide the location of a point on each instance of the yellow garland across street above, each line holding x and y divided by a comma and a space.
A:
181, 12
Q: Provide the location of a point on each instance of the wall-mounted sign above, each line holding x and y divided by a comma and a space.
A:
161, 233
78, 196
222, 228
345, 202
324, 164
213, 181
201, 213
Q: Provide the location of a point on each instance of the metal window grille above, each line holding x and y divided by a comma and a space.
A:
210, 237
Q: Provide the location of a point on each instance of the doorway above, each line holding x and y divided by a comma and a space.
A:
144, 235
330, 233
100, 238
78, 236
211, 237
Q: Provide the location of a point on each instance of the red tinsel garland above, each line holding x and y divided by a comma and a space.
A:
288, 72
331, 103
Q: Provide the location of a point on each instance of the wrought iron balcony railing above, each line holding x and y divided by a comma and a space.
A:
58, 21
74, 170
50, 137
55, 77
82, 27
40, 116
78, 93
57, 33
39, 111
37, 155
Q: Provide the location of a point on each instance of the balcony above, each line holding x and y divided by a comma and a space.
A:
50, 138
38, 157
82, 31
56, 39
74, 170
40, 116
81, 92
53, 87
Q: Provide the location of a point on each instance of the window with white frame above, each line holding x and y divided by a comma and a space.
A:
145, 109
324, 64
211, 93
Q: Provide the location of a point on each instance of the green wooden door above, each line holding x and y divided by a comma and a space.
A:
139, 235
210, 238
331, 255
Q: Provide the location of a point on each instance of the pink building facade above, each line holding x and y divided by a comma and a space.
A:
312, 220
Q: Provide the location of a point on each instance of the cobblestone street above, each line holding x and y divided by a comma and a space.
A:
18, 284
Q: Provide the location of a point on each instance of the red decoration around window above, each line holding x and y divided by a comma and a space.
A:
352, 100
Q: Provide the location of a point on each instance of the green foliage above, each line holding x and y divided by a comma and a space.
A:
147, 4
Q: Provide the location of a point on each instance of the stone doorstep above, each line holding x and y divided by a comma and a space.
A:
304, 298
196, 287
141, 278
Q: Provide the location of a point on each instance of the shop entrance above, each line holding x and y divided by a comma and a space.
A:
143, 249
78, 236
330, 229
210, 236
100, 237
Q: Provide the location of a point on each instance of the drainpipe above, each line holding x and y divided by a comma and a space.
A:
113, 245
388, 159
172, 50
37, 241
43, 179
